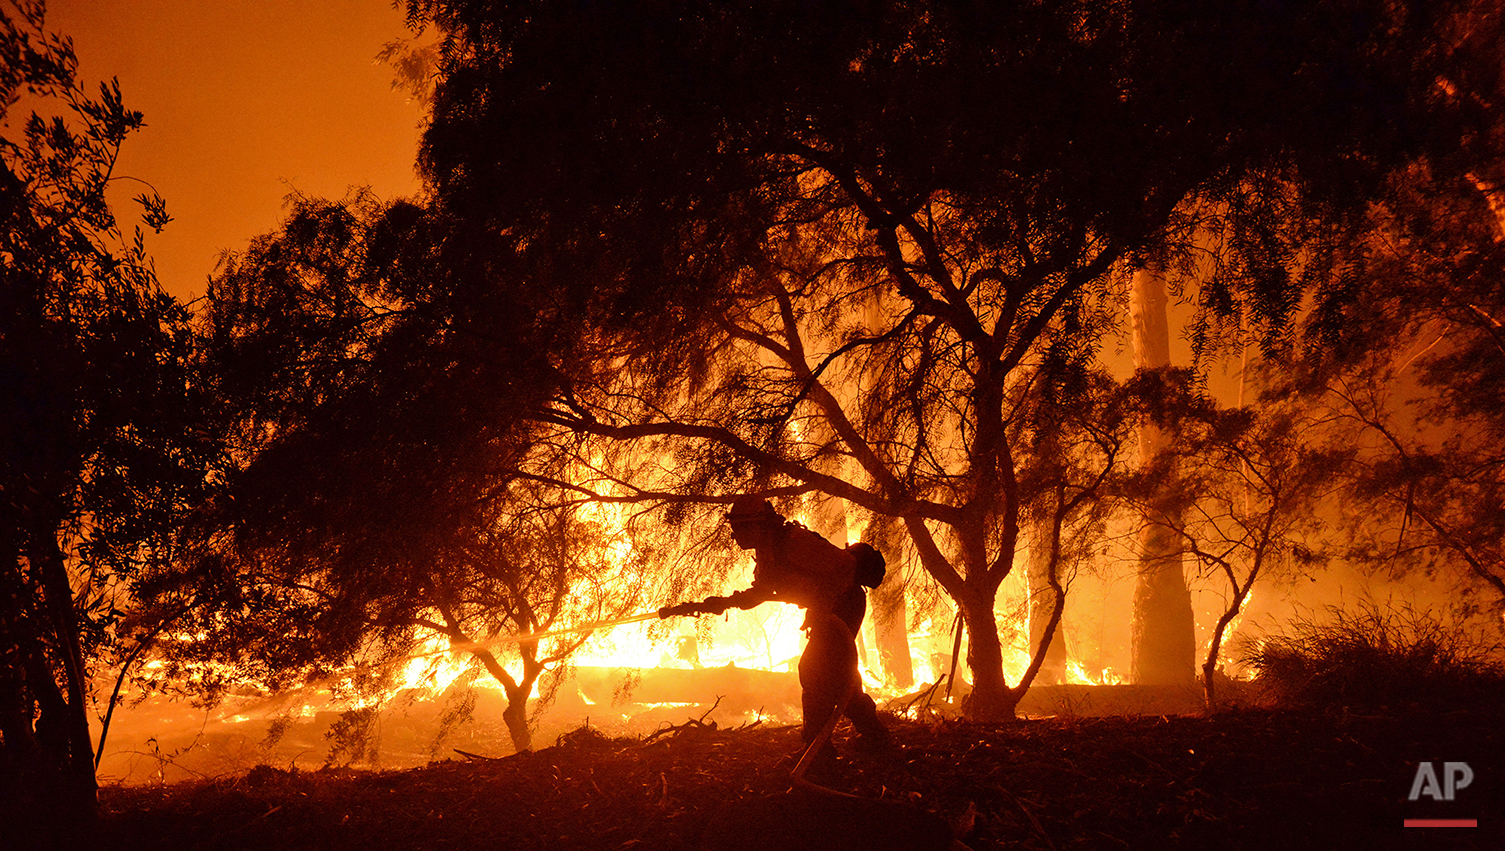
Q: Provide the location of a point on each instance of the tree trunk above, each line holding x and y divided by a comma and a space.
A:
48, 756
1240, 597
974, 591
37, 803
1210, 664
1163, 639
65, 624
1164, 633
1050, 618
888, 606
891, 631
992, 699
515, 716
1042, 603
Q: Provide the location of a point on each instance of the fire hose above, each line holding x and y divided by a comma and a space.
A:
571, 630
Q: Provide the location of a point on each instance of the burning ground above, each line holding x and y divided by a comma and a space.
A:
1245, 779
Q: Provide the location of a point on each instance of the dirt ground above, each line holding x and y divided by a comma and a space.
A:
1255, 779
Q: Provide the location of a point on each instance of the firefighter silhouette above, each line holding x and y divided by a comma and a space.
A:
796, 565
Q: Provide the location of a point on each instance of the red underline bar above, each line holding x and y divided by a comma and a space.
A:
1442, 822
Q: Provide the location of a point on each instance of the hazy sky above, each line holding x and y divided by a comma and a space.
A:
246, 101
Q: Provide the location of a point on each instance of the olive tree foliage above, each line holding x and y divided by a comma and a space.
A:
375, 503
846, 248
103, 445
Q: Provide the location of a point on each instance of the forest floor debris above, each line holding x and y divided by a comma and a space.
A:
1242, 779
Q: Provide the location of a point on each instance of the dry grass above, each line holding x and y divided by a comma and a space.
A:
1254, 779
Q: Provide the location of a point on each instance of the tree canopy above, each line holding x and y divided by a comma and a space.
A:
859, 256
384, 420
743, 212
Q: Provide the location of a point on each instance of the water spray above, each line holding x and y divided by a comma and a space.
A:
524, 638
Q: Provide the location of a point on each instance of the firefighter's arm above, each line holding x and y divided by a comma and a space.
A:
745, 599
680, 609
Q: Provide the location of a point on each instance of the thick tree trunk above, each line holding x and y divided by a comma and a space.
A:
1164, 634
38, 804
515, 716
83, 789
47, 755
974, 591
992, 699
887, 604
1163, 639
890, 615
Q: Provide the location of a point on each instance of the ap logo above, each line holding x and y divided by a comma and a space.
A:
1455, 776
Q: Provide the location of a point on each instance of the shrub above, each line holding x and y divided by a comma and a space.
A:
1380, 657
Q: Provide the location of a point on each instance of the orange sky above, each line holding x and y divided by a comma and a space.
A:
246, 101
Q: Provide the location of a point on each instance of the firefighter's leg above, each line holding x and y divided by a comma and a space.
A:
827, 670
820, 684
863, 711
873, 738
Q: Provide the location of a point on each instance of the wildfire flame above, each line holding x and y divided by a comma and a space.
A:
767, 638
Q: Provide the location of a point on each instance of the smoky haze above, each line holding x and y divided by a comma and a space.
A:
246, 102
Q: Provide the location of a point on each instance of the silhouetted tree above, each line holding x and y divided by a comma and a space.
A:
381, 493
716, 190
102, 443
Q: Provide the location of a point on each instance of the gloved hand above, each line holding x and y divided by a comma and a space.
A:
710, 605
681, 609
